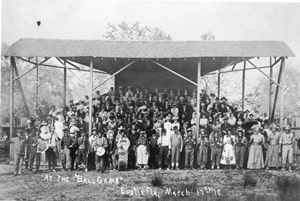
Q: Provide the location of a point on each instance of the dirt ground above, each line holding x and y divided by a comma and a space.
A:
129, 185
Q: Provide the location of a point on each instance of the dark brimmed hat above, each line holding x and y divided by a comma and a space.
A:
223, 98
94, 129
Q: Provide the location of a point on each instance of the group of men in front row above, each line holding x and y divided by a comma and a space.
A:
161, 150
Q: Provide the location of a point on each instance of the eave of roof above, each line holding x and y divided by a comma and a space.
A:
146, 49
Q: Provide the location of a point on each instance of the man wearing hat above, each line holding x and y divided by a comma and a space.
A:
273, 136
67, 142
287, 141
154, 149
129, 93
51, 152
176, 148
34, 154
189, 143
164, 149
216, 142
91, 155
202, 149
83, 149
19, 151
100, 143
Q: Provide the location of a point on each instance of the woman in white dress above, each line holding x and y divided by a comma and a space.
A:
228, 157
255, 159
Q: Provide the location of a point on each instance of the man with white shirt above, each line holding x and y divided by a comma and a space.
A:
164, 143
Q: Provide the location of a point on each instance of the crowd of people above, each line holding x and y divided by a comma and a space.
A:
144, 129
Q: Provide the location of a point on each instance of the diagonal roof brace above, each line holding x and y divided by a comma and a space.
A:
32, 68
264, 73
166, 68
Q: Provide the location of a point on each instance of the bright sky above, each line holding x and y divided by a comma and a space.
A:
81, 19
183, 20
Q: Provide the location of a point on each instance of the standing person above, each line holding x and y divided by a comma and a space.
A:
67, 142
176, 147
255, 159
19, 152
272, 158
100, 141
164, 149
216, 142
133, 136
142, 151
51, 152
240, 149
83, 150
112, 147
154, 150
28, 137
123, 146
202, 141
34, 154
228, 157
287, 140
189, 143
91, 155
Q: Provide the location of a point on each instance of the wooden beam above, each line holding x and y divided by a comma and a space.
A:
276, 92
54, 66
65, 60
270, 89
164, 67
31, 68
264, 73
198, 96
91, 97
282, 94
11, 98
65, 85
243, 86
36, 89
219, 81
237, 70
116, 73
14, 65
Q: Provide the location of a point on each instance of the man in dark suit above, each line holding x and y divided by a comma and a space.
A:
186, 109
82, 124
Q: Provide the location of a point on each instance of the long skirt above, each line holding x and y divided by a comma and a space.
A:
272, 157
255, 159
228, 157
142, 155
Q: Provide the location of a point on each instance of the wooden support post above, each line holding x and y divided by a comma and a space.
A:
21, 88
277, 89
282, 95
36, 88
198, 97
65, 84
90, 97
219, 80
270, 89
243, 86
11, 98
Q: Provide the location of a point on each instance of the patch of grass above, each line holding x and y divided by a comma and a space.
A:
254, 197
157, 179
191, 187
249, 180
289, 188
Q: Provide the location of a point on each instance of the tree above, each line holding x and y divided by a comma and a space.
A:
125, 31
259, 99
208, 36
50, 89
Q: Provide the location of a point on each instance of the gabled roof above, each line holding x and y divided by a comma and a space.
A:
146, 49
